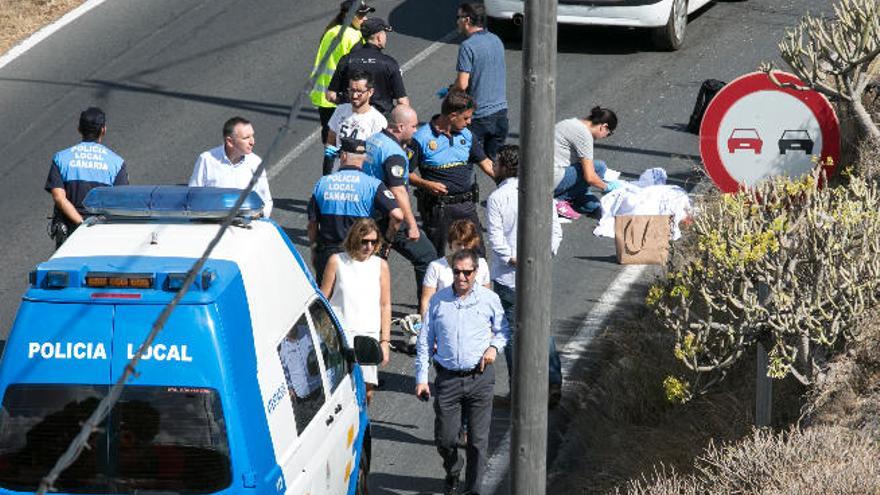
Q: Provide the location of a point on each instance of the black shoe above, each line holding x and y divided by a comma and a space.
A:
451, 485
554, 395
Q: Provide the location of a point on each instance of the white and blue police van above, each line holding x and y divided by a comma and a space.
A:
252, 386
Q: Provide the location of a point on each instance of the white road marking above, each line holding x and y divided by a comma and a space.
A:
312, 138
499, 462
32, 40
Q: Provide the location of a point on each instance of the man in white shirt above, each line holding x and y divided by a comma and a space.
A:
233, 163
355, 120
502, 210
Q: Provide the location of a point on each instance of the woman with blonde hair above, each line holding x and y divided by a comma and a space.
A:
358, 285
462, 234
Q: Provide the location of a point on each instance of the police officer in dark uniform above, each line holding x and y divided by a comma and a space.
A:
387, 78
388, 161
444, 151
77, 170
341, 198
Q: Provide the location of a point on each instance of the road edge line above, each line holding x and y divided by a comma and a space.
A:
499, 462
31, 41
298, 150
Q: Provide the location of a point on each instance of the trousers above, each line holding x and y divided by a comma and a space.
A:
491, 131
508, 302
574, 188
320, 256
436, 219
466, 398
420, 253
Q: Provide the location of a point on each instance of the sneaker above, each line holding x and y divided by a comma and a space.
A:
564, 220
564, 210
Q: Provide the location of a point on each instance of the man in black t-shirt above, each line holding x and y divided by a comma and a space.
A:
387, 78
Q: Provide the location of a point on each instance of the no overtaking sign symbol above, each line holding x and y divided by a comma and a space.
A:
754, 129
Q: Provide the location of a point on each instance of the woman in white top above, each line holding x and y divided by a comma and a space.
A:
463, 234
358, 285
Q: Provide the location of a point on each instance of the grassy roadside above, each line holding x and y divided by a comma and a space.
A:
21, 18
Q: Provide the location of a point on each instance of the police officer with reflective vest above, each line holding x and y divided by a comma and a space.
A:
387, 78
341, 198
388, 161
351, 37
444, 151
77, 170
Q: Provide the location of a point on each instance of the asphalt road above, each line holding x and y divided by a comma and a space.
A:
169, 72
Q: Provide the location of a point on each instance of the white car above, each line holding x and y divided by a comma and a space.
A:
667, 18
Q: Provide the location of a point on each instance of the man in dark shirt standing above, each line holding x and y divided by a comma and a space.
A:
482, 73
387, 79
77, 170
444, 151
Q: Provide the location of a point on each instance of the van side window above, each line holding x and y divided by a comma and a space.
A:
303, 373
331, 345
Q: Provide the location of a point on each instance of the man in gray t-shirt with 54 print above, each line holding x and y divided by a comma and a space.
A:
574, 169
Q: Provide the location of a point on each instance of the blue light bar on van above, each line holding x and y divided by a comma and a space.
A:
174, 281
169, 202
57, 280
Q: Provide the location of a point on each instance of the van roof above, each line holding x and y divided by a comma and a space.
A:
276, 281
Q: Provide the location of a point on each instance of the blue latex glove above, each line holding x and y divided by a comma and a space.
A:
442, 93
612, 185
331, 151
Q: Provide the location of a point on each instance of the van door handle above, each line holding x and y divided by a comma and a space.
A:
338, 408
329, 420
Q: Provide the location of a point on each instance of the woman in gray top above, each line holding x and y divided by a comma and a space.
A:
574, 169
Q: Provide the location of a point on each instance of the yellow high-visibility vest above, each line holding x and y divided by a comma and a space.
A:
350, 38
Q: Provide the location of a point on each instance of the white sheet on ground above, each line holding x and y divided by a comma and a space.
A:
648, 196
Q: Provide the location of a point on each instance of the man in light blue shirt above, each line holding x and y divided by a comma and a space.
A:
466, 323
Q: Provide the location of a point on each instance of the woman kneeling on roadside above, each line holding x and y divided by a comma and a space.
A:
358, 285
574, 168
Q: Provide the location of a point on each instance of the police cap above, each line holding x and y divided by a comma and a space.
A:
362, 8
374, 25
355, 146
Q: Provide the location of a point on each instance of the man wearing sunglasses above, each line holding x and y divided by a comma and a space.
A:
466, 323
339, 199
357, 119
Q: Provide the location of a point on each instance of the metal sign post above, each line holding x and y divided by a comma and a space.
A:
534, 270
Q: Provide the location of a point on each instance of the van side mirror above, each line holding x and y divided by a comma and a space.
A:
367, 350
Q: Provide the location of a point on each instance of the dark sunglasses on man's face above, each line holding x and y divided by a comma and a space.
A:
371, 242
467, 273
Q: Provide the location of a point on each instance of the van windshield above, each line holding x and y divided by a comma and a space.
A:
168, 439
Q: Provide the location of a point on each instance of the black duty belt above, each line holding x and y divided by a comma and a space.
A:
453, 199
473, 371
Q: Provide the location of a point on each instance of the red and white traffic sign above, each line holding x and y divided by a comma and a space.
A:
754, 129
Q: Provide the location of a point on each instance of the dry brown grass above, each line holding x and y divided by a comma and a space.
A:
821, 460
623, 425
20, 18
